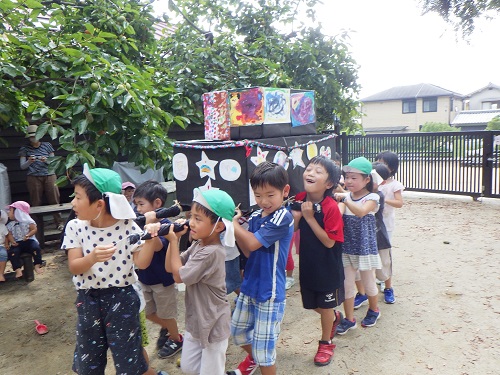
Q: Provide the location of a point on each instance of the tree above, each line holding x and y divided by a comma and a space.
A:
432, 127
80, 70
494, 124
462, 13
92, 74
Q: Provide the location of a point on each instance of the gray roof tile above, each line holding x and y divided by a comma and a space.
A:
475, 117
422, 90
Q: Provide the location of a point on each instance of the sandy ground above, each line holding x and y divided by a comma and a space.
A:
445, 321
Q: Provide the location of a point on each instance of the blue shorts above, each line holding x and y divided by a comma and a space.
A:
258, 324
108, 318
233, 275
3, 254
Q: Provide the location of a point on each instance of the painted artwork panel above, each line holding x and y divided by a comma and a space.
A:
302, 108
246, 106
276, 105
216, 113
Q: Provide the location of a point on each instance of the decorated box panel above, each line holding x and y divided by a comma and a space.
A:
259, 112
216, 115
228, 165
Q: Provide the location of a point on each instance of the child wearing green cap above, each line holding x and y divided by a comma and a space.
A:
260, 307
360, 251
101, 261
202, 269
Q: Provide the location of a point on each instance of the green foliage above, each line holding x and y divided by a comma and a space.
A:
432, 127
462, 14
248, 47
494, 124
91, 73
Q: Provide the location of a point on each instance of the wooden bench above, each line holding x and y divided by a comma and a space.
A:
38, 212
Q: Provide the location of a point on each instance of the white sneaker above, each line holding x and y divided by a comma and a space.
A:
290, 281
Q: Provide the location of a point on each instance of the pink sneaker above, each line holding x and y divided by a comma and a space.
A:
247, 367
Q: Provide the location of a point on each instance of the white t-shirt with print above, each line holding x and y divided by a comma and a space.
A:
119, 270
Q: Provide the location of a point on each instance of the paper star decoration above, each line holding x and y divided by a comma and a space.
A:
207, 166
261, 156
296, 156
207, 186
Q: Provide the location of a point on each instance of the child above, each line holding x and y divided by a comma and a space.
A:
290, 264
360, 250
128, 189
201, 268
321, 270
100, 259
383, 242
23, 229
157, 284
5, 240
232, 266
392, 190
256, 320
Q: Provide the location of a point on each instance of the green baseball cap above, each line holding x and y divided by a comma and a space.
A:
359, 165
105, 180
217, 201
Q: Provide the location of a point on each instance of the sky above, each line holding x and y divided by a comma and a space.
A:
394, 45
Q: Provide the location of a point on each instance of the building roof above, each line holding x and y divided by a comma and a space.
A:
422, 90
478, 117
487, 87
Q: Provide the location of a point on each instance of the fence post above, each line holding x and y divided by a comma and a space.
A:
487, 164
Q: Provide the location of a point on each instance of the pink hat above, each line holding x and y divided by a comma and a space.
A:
128, 184
21, 205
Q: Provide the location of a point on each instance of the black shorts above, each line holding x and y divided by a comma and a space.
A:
312, 299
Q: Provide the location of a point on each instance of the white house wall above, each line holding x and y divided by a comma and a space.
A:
390, 113
486, 96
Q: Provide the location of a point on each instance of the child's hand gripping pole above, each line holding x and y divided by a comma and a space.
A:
163, 213
162, 231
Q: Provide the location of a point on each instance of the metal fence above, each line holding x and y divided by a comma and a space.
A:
464, 163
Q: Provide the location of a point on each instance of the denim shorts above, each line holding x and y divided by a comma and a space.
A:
3, 254
233, 275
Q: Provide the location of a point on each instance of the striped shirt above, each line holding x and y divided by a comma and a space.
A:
37, 168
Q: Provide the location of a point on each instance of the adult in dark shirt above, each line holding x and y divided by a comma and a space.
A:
34, 157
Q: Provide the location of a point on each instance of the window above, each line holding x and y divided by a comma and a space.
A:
430, 105
410, 106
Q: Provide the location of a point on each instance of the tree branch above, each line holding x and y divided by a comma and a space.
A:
45, 80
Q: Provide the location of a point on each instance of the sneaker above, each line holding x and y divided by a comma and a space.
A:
338, 319
162, 338
345, 325
290, 281
325, 353
170, 348
360, 300
162, 373
389, 296
247, 367
371, 318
